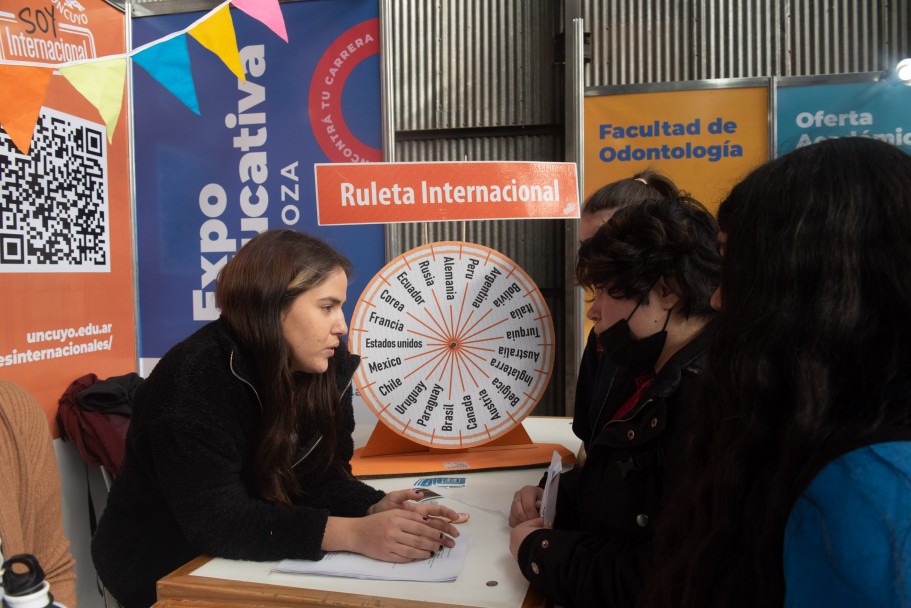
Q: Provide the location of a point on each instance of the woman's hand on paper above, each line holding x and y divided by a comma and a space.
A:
400, 499
406, 499
393, 535
520, 531
526, 505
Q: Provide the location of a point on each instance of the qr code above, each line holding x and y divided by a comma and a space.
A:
54, 215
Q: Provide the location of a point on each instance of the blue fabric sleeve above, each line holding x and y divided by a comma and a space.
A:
848, 538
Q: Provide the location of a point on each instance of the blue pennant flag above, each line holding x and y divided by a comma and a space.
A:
169, 63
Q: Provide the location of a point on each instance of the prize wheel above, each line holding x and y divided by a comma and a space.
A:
457, 345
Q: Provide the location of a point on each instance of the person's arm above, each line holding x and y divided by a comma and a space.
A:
846, 539
198, 463
35, 524
573, 568
198, 460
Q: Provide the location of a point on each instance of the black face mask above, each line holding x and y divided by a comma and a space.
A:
627, 352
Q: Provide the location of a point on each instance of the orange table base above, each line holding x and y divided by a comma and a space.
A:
388, 454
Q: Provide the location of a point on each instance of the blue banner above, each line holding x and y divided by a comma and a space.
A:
812, 112
207, 183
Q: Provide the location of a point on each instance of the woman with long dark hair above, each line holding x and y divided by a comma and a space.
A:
800, 492
240, 439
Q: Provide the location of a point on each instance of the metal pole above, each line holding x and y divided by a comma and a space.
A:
387, 90
575, 89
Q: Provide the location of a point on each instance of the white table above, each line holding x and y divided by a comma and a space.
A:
490, 577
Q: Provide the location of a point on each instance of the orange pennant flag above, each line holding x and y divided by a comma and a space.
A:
22, 90
102, 84
216, 33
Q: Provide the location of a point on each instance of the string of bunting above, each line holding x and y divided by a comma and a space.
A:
101, 80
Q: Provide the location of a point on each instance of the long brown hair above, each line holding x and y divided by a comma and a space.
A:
254, 289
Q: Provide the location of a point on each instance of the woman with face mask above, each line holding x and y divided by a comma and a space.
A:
240, 439
653, 267
597, 209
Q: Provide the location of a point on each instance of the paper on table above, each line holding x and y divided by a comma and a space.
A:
445, 566
549, 500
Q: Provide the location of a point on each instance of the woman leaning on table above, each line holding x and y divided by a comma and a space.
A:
240, 439
654, 267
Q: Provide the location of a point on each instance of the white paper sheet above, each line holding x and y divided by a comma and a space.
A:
445, 566
549, 500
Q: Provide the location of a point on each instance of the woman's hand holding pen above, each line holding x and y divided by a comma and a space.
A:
403, 499
526, 505
396, 529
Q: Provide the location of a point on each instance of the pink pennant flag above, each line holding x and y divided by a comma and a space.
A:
266, 11
216, 33
22, 90
102, 84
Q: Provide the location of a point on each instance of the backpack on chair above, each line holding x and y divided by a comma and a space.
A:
95, 415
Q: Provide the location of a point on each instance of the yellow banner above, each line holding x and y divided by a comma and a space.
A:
705, 140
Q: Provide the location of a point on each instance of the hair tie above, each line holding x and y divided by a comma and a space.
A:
640, 179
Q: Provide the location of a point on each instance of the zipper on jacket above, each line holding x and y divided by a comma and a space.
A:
633, 412
601, 410
347, 386
244, 380
310, 451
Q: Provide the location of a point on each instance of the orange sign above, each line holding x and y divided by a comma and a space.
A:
381, 193
66, 261
705, 140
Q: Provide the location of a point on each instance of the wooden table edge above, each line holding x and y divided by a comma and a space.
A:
182, 589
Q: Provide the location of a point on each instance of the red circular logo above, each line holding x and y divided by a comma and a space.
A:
326, 118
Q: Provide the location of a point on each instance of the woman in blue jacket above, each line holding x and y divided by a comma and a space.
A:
240, 439
800, 493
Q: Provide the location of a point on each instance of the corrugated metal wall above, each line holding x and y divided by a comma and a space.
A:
476, 80
644, 41
481, 80
481, 61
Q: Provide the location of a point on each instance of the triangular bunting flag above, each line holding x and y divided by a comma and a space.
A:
266, 11
169, 63
216, 33
22, 90
101, 83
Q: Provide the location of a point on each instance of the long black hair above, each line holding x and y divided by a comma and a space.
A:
815, 324
253, 291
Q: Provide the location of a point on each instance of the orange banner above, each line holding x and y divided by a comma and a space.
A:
66, 262
381, 193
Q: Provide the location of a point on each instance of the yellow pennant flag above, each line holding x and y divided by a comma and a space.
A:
216, 33
22, 90
102, 84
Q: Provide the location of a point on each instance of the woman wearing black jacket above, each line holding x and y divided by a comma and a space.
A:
654, 267
240, 438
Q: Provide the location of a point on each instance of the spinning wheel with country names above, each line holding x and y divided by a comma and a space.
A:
457, 347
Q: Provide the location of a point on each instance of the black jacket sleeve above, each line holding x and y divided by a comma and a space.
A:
573, 568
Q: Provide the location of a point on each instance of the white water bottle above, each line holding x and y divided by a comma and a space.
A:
24, 585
